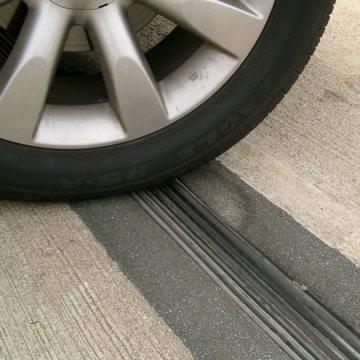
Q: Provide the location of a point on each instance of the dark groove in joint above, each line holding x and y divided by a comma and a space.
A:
301, 326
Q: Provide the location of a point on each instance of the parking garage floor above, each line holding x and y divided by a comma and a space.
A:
100, 279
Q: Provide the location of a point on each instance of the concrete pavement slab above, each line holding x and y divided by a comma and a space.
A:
305, 156
62, 297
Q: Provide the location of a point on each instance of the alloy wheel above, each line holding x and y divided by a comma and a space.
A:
131, 101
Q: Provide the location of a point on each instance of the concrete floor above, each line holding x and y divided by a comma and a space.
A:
305, 156
63, 296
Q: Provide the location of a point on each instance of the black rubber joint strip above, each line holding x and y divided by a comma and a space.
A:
299, 324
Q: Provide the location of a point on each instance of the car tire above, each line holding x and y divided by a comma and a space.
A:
290, 36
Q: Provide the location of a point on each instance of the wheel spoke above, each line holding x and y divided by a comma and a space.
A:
228, 24
27, 75
133, 92
7, 12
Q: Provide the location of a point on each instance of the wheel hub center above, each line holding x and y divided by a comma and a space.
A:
82, 4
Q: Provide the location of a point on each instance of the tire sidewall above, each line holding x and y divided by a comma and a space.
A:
229, 115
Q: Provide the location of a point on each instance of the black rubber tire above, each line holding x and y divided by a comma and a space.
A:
285, 46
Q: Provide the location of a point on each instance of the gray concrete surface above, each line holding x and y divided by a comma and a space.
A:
305, 156
62, 297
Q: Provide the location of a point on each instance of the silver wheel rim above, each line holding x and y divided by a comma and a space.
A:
137, 103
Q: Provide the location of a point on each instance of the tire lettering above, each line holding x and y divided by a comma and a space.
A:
70, 183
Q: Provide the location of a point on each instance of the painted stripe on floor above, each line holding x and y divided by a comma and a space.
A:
209, 322
62, 297
305, 156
